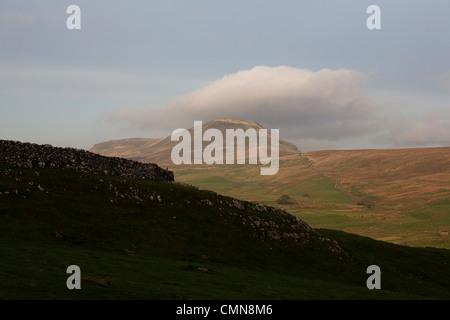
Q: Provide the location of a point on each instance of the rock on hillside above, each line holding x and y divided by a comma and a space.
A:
33, 155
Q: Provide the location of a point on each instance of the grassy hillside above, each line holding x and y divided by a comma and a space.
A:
137, 239
407, 190
367, 192
400, 195
401, 176
294, 178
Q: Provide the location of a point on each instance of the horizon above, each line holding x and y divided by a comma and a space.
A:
281, 137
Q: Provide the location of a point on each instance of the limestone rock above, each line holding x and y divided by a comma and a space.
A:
40, 156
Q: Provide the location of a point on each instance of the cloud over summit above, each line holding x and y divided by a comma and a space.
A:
303, 104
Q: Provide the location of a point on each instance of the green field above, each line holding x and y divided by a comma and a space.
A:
181, 247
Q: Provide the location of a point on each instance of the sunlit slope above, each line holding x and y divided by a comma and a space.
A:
406, 176
401, 196
295, 178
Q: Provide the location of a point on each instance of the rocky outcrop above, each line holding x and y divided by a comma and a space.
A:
272, 224
40, 156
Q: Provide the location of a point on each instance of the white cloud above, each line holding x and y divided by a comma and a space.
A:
443, 81
303, 104
11, 21
432, 130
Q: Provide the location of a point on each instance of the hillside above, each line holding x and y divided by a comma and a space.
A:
401, 196
151, 150
390, 195
406, 176
141, 239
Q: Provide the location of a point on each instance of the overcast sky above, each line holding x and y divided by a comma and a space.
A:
309, 68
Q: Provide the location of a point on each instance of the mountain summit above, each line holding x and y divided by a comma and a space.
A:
158, 150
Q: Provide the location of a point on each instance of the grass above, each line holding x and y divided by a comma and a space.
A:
295, 178
178, 248
408, 203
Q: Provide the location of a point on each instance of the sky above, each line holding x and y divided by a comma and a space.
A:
145, 68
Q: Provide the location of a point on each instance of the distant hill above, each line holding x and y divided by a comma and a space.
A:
158, 150
402, 196
411, 176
